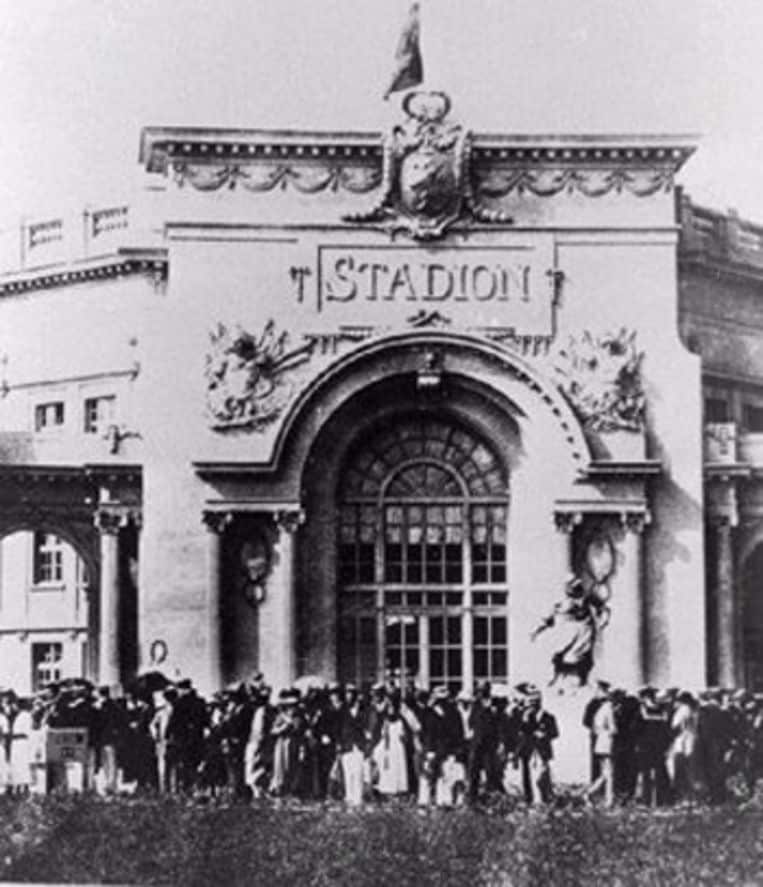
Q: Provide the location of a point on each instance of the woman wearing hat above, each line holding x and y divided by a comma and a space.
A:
391, 743
288, 732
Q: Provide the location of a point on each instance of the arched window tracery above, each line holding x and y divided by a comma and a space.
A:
423, 509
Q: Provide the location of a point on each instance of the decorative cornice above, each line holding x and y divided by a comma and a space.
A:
261, 160
633, 514
124, 262
602, 469
93, 474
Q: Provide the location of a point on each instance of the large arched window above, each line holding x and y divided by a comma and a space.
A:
423, 506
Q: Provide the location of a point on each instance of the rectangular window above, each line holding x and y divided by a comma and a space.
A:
48, 559
753, 417
48, 415
357, 638
491, 660
489, 543
46, 665
423, 544
717, 410
99, 413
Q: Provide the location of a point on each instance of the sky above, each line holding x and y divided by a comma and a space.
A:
80, 78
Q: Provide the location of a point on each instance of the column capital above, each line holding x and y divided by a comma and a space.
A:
635, 521
288, 520
216, 521
109, 520
566, 521
721, 520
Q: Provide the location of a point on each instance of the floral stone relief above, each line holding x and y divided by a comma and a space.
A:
247, 376
600, 375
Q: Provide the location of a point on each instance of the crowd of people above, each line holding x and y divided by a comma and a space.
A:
439, 747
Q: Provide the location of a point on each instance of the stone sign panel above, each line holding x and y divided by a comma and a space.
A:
502, 286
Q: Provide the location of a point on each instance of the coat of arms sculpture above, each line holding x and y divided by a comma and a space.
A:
426, 176
246, 387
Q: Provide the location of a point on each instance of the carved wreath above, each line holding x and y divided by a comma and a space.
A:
602, 379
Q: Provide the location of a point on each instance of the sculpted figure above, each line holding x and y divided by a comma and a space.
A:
577, 620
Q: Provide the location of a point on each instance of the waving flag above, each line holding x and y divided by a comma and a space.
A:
409, 70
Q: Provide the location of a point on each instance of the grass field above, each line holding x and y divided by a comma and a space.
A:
167, 841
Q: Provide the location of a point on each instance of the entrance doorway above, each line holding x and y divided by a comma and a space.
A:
422, 556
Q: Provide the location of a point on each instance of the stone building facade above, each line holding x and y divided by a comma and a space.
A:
359, 404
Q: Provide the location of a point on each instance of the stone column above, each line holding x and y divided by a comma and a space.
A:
624, 636
277, 637
566, 522
215, 522
725, 603
109, 524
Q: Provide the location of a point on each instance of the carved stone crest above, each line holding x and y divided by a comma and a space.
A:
426, 181
246, 383
601, 378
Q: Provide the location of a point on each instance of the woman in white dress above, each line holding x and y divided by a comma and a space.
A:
20, 770
682, 755
390, 752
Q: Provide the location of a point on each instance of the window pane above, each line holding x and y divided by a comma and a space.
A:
499, 630
480, 630
497, 574
436, 630
499, 663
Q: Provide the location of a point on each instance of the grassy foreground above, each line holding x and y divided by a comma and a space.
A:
166, 841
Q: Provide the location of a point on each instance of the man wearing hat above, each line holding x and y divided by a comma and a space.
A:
714, 735
603, 730
537, 731
653, 745
483, 745
185, 732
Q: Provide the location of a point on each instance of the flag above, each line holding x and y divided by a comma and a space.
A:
409, 70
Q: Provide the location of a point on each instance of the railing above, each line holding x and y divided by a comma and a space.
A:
709, 234
38, 243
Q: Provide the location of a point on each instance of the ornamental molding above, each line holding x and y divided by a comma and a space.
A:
427, 183
247, 376
152, 263
268, 177
601, 377
633, 515
358, 163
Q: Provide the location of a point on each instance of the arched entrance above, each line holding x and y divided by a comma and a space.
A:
423, 506
752, 620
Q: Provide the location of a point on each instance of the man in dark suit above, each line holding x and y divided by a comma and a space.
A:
483, 744
186, 733
537, 731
